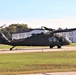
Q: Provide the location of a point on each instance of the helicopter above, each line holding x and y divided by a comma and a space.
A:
50, 38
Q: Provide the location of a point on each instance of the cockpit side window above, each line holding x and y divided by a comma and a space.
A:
52, 39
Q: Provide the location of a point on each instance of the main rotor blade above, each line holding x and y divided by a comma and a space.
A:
64, 30
50, 29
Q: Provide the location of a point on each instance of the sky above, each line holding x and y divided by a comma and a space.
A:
37, 13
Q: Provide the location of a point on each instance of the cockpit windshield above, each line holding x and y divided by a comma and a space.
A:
67, 39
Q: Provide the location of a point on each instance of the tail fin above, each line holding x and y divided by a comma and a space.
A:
3, 39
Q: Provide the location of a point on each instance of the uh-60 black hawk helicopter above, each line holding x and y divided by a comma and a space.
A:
49, 38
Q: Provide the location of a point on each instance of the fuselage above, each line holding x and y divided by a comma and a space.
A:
40, 40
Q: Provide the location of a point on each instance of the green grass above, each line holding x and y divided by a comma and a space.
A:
72, 44
5, 46
13, 64
8, 46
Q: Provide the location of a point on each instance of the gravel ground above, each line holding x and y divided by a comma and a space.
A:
38, 49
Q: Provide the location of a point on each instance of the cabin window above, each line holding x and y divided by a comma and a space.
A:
63, 39
52, 39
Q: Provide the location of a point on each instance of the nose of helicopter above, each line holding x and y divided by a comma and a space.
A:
68, 41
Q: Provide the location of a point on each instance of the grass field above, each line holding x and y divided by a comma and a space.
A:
8, 46
13, 64
21, 63
72, 44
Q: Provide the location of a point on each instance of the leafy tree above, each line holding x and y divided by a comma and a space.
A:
59, 28
14, 28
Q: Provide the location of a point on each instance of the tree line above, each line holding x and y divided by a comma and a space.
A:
14, 28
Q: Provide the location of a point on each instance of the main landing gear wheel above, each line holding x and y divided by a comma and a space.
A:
51, 46
58, 46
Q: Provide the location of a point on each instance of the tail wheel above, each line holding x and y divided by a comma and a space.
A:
12, 48
58, 46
